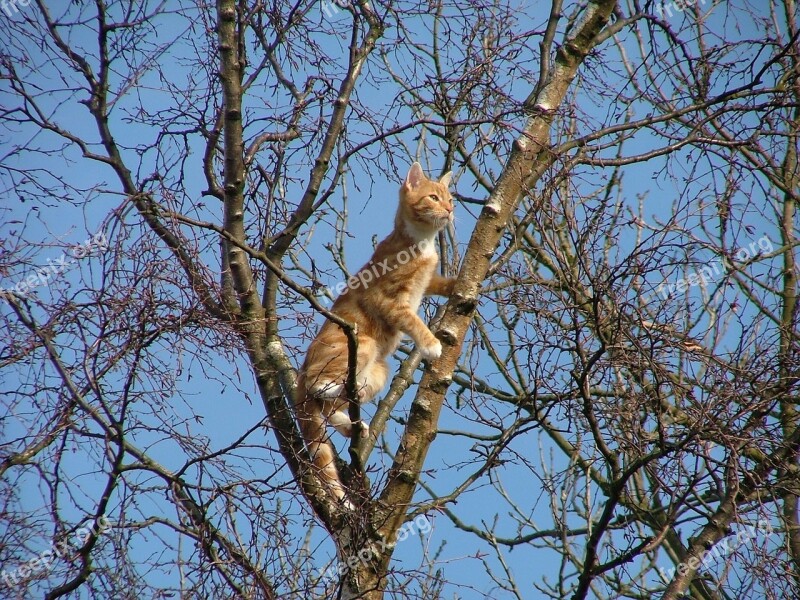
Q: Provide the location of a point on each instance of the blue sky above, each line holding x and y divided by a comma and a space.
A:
225, 410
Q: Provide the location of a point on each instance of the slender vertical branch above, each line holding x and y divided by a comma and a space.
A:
528, 161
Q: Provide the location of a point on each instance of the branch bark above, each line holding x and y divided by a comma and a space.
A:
528, 161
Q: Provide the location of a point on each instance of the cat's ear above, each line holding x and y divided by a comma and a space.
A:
415, 176
445, 180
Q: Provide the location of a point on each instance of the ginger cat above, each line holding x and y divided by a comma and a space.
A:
382, 299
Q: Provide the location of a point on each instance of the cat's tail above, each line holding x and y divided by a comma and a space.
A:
313, 428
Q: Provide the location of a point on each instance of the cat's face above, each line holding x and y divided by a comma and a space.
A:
425, 204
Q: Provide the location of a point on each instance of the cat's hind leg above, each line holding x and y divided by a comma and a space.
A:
371, 379
342, 423
371, 375
327, 381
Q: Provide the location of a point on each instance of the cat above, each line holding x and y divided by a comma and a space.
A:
382, 299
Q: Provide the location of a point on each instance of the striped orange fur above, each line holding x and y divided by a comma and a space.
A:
382, 300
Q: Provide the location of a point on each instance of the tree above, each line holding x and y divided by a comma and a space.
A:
616, 399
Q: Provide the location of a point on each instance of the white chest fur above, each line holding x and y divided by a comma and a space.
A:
427, 265
423, 252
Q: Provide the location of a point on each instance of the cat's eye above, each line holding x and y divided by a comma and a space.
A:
435, 198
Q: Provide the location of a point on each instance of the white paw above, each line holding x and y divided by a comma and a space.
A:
432, 351
364, 429
341, 422
326, 389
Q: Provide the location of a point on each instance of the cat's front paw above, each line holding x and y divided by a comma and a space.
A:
364, 427
431, 351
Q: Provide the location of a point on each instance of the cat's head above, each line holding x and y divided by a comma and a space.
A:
426, 205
